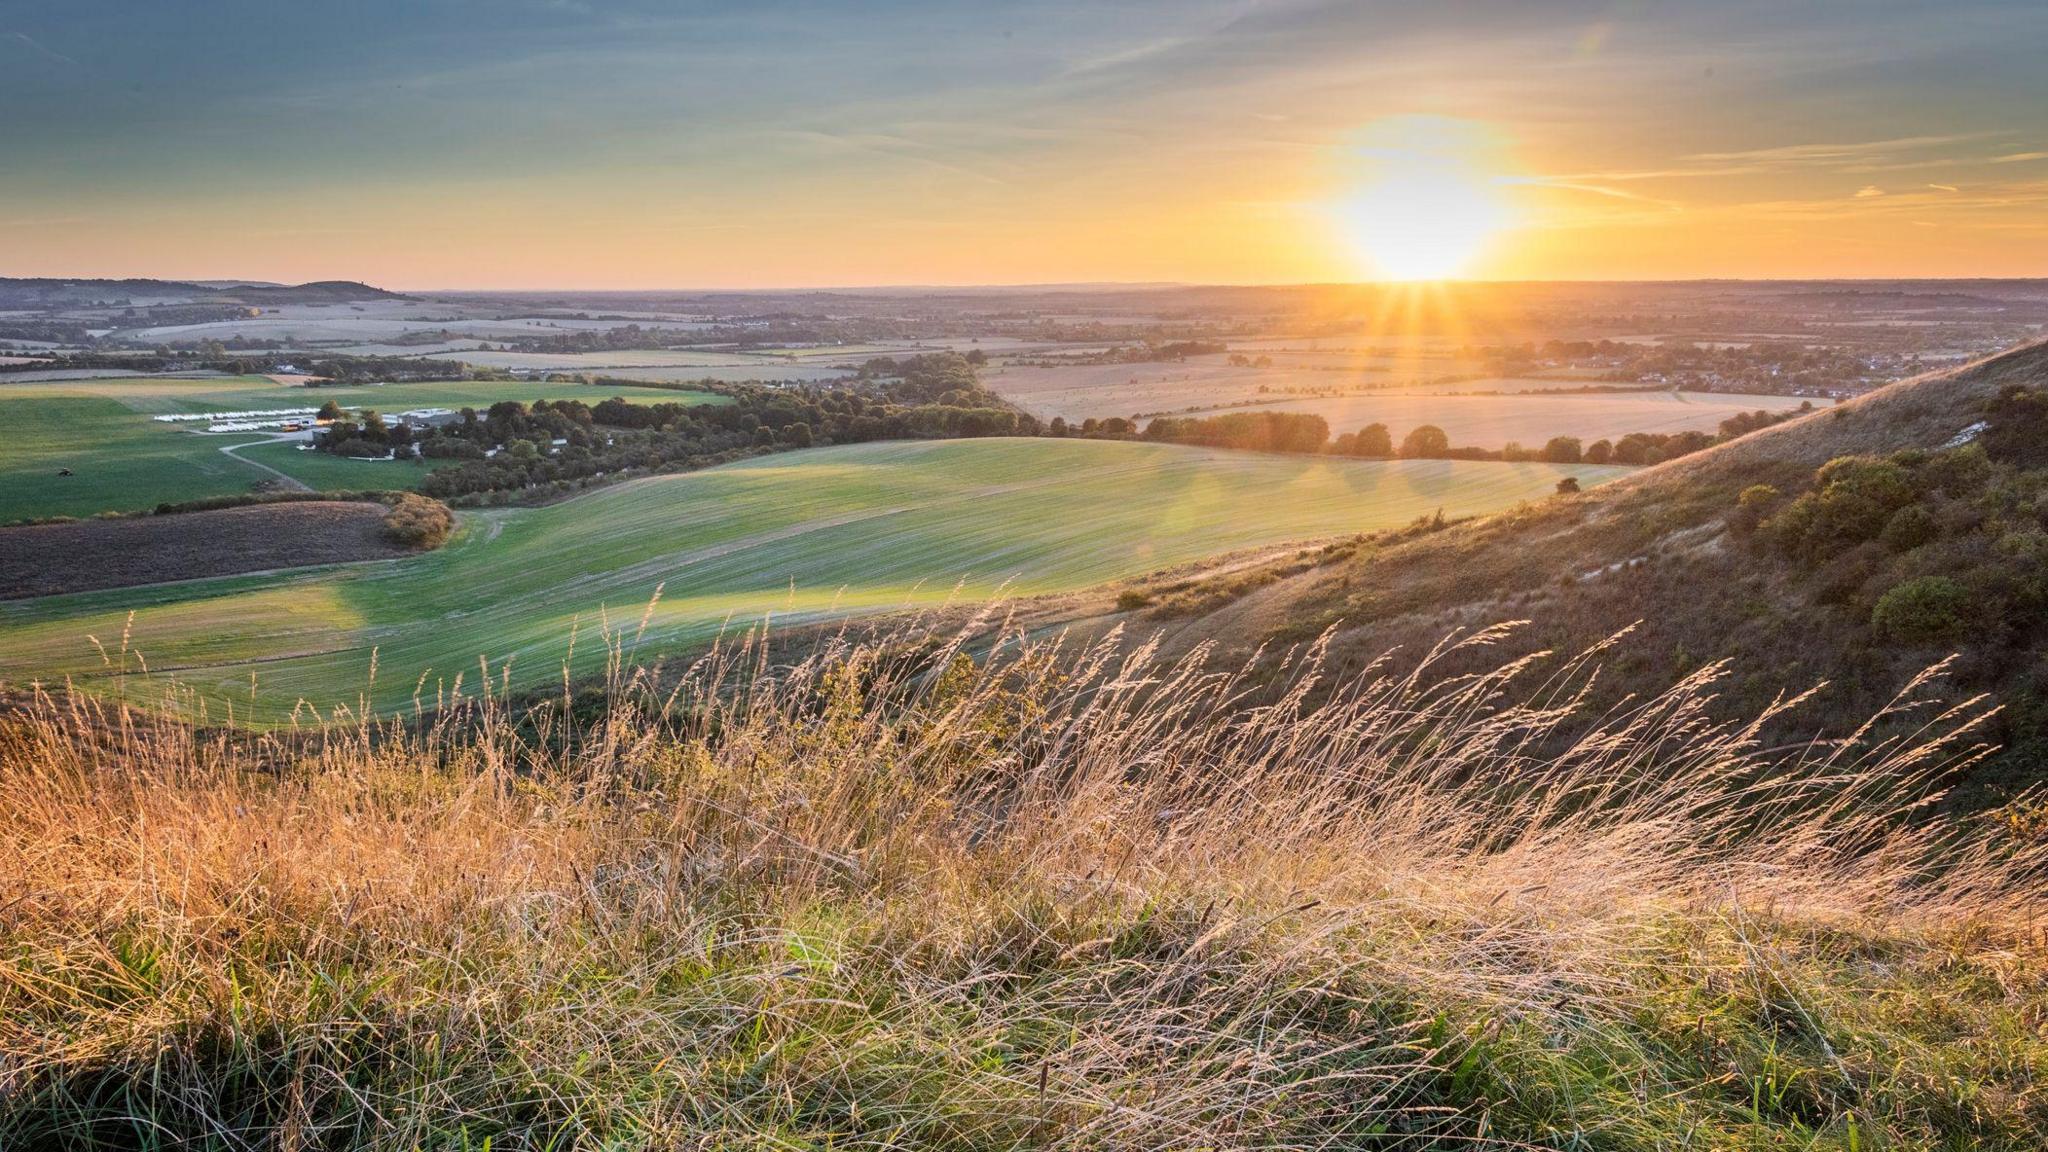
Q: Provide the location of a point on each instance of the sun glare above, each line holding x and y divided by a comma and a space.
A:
1422, 201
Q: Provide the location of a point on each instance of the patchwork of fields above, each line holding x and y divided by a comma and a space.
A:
802, 536
1484, 412
120, 460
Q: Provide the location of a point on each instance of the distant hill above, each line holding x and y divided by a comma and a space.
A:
317, 292
47, 293
1860, 575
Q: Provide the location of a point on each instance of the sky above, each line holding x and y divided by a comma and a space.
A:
636, 144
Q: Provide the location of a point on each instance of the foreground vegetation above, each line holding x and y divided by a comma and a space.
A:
801, 535
1062, 899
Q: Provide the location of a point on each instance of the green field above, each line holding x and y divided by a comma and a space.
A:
802, 536
331, 473
122, 461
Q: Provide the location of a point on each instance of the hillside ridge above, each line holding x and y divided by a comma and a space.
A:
1657, 555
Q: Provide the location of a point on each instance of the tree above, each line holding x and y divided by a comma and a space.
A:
1426, 443
328, 411
1599, 452
1374, 440
1562, 450
1568, 486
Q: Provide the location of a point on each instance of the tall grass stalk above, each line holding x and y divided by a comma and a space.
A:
1061, 896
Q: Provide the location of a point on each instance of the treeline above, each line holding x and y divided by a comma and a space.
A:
554, 446
1266, 431
345, 370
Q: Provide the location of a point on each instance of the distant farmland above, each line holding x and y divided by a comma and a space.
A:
1483, 412
1490, 421
122, 461
673, 365
803, 536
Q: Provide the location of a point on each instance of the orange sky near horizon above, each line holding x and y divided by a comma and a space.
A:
623, 145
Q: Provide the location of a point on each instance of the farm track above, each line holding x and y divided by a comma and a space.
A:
291, 483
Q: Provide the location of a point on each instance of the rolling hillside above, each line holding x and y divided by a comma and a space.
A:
1665, 552
804, 536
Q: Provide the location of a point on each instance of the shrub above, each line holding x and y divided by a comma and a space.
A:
1856, 497
418, 521
1909, 528
1751, 507
1132, 599
1924, 610
1568, 486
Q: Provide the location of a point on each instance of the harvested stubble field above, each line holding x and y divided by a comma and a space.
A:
1077, 900
1528, 409
48, 559
803, 536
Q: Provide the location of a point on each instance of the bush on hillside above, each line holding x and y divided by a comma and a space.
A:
1924, 610
1853, 498
418, 521
1909, 528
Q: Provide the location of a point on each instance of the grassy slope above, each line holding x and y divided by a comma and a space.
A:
801, 535
122, 461
1649, 551
886, 900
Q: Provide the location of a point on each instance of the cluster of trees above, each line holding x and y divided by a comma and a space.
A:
1267, 431
342, 370
555, 445
1257, 431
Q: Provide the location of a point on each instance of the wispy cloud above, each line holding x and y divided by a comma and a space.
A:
1567, 185
1825, 154
2019, 157
47, 53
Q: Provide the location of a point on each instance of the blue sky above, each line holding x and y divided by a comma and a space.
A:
589, 143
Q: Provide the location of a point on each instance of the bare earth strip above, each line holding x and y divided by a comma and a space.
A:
47, 559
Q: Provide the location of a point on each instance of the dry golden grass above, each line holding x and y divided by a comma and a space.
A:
892, 897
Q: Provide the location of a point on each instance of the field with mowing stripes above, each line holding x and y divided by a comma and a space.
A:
803, 536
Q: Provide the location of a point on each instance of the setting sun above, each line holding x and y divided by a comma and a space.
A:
1423, 202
